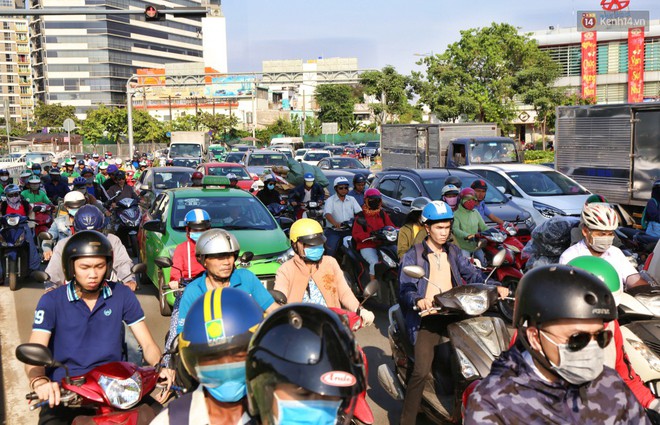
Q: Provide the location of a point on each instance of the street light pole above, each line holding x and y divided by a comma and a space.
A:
129, 115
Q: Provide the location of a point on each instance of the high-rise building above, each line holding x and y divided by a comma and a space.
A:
86, 60
16, 101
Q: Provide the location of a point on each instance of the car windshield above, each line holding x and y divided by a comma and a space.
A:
300, 152
217, 151
171, 180
227, 212
546, 183
373, 144
266, 159
234, 157
494, 151
434, 187
315, 156
183, 150
346, 163
185, 162
223, 171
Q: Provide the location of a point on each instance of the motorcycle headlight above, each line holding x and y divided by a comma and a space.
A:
467, 368
546, 210
512, 248
391, 235
13, 221
389, 261
474, 304
286, 256
646, 352
312, 204
122, 393
498, 237
650, 302
20, 239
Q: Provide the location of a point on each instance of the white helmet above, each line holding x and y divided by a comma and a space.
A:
118, 161
74, 200
340, 180
599, 216
216, 241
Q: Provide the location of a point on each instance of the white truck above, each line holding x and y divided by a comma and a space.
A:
187, 147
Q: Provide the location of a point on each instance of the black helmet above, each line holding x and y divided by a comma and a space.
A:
557, 292
4, 172
453, 180
120, 175
36, 166
88, 217
320, 355
359, 178
88, 243
54, 171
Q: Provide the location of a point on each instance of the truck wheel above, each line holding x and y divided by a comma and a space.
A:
12, 275
165, 307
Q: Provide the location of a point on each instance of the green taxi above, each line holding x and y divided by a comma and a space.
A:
218, 152
232, 209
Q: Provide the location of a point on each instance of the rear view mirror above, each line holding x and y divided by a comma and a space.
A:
45, 236
278, 296
371, 288
416, 272
407, 201
39, 276
34, 355
139, 268
246, 257
498, 258
163, 262
155, 226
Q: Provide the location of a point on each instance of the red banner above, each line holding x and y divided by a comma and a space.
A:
589, 59
635, 65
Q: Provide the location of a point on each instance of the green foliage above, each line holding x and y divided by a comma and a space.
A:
539, 157
147, 129
336, 103
478, 76
17, 129
53, 115
390, 89
105, 123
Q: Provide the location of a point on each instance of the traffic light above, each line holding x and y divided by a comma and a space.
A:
152, 14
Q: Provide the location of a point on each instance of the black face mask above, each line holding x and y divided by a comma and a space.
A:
373, 203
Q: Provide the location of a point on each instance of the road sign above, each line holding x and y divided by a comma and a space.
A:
329, 128
69, 124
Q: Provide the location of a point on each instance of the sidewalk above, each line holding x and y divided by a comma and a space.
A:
14, 381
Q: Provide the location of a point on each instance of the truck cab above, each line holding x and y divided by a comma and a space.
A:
482, 150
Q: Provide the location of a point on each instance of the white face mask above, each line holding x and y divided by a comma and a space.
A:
601, 243
578, 367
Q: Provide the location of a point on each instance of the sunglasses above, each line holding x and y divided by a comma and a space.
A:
578, 341
13, 195
342, 187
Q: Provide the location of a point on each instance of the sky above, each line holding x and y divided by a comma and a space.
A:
380, 33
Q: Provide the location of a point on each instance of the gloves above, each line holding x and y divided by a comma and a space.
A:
367, 317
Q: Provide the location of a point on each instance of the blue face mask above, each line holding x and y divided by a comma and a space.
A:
36, 172
225, 382
195, 235
303, 412
314, 253
271, 186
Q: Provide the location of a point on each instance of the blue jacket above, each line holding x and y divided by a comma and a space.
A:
412, 290
298, 194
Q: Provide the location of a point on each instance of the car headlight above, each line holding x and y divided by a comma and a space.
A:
122, 393
650, 302
546, 210
288, 254
467, 368
388, 260
645, 352
474, 304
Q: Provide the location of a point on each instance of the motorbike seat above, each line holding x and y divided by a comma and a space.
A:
397, 317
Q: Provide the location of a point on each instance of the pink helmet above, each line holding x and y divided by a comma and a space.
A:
372, 193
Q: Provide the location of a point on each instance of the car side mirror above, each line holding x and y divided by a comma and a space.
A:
502, 189
154, 226
407, 201
144, 187
325, 167
285, 222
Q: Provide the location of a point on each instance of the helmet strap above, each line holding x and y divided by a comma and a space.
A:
87, 291
540, 357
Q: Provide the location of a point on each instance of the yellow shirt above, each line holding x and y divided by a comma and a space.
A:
439, 274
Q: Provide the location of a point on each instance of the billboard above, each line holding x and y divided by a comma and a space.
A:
230, 86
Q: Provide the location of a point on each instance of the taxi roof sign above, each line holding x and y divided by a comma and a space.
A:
215, 181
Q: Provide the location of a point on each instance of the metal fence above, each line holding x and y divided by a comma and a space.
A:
121, 150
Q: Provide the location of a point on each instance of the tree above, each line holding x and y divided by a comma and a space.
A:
389, 88
104, 122
219, 124
53, 115
148, 129
336, 103
479, 76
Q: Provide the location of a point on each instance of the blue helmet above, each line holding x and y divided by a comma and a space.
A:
308, 177
218, 323
437, 211
198, 219
79, 182
88, 217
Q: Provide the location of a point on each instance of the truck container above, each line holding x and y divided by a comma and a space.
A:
189, 145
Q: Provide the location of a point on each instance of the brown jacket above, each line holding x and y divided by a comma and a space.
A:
292, 278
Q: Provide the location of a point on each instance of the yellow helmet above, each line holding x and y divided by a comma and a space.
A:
307, 231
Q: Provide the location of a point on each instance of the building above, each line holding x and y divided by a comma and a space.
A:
15, 69
86, 60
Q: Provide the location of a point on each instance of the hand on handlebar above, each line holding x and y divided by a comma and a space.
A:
424, 304
49, 391
167, 377
174, 284
503, 291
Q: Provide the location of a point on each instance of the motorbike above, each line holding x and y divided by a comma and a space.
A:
387, 270
113, 389
14, 248
283, 215
313, 210
128, 218
43, 217
639, 248
472, 343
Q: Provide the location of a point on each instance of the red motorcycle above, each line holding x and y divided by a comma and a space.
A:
43, 217
113, 389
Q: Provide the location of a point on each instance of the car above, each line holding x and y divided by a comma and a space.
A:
185, 162
262, 160
351, 152
217, 152
245, 180
298, 156
335, 150
351, 165
232, 209
315, 145
285, 150
156, 179
241, 148
313, 156
235, 157
371, 148
399, 186
542, 191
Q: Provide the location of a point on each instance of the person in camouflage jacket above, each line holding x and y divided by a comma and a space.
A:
554, 374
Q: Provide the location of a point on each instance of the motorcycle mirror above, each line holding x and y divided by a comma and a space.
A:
163, 262
482, 243
39, 276
278, 296
246, 257
498, 258
144, 187
372, 287
139, 268
45, 236
34, 355
416, 272
285, 222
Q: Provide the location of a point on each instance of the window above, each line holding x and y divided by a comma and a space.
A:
388, 187
408, 189
652, 55
499, 180
568, 57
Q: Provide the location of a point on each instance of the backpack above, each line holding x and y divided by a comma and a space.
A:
362, 220
645, 222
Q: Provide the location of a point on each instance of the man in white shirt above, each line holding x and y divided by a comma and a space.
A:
338, 209
598, 223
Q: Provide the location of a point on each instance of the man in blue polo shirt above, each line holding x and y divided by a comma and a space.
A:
480, 187
83, 323
217, 250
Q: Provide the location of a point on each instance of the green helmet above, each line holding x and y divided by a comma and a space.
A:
103, 165
596, 199
601, 269
28, 164
69, 162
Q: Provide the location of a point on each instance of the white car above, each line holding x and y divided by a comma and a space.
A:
313, 156
300, 153
538, 189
